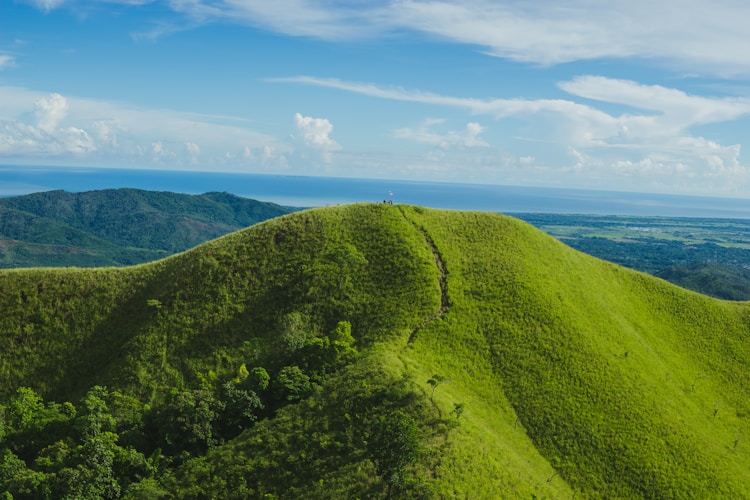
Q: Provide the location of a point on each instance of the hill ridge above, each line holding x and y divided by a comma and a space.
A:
559, 374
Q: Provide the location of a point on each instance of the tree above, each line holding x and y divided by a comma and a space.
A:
291, 384
292, 332
3, 425
258, 379
24, 408
342, 343
147, 488
187, 423
95, 417
458, 409
94, 476
434, 382
18, 480
242, 374
326, 354
240, 409
394, 446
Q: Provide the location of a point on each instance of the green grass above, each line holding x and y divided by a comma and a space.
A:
615, 375
576, 376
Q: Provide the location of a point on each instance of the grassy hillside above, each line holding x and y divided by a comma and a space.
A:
486, 360
117, 226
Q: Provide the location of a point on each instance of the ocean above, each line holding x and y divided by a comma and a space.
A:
301, 191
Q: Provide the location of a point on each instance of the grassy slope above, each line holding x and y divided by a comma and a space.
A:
578, 376
626, 385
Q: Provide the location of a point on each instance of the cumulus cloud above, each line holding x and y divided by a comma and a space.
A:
50, 111
314, 132
192, 148
22, 139
35, 124
312, 137
161, 153
45, 137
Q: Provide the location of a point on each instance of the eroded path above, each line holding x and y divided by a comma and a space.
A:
445, 302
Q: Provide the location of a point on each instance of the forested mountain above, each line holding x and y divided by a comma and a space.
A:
716, 280
371, 351
117, 226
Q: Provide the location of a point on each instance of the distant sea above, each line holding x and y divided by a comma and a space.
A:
300, 191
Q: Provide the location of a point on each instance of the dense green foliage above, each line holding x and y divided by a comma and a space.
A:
717, 280
371, 351
117, 226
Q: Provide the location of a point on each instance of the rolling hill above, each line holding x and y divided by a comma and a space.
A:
117, 226
371, 351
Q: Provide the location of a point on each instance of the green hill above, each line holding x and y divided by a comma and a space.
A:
117, 226
371, 351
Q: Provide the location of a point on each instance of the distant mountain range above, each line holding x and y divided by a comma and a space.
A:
116, 227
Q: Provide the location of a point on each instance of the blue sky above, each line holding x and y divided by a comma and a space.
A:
636, 95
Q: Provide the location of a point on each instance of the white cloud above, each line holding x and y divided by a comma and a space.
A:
654, 139
467, 138
106, 132
312, 135
498, 108
6, 61
704, 36
46, 5
76, 141
21, 139
48, 125
671, 111
50, 111
330, 20
45, 138
192, 148
675, 107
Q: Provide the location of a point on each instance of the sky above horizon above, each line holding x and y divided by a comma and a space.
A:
616, 95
